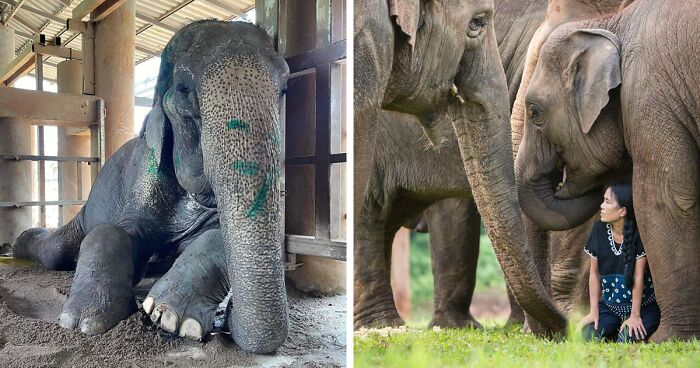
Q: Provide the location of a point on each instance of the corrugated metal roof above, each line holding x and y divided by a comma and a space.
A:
156, 23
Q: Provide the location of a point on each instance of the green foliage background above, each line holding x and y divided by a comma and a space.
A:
489, 276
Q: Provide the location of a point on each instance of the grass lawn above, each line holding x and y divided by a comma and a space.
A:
496, 346
508, 347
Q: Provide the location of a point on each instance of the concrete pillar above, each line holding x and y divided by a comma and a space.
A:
114, 74
15, 176
400, 272
72, 141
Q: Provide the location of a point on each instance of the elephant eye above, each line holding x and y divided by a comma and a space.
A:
535, 115
183, 89
476, 24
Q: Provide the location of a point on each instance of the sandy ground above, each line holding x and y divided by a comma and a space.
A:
31, 298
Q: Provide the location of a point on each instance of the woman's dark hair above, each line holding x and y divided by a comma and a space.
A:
630, 234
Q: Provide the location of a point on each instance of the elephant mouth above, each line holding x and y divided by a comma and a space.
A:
204, 202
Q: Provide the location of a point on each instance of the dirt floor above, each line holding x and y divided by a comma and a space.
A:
31, 298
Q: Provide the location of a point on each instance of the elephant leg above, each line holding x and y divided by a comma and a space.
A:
56, 250
374, 300
568, 266
454, 244
102, 291
517, 314
667, 218
185, 299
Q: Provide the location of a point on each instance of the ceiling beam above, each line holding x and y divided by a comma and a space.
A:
44, 14
13, 11
147, 51
156, 22
86, 7
105, 9
19, 66
220, 4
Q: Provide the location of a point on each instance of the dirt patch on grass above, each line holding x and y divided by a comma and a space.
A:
31, 298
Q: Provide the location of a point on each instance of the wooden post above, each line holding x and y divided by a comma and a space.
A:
114, 74
16, 182
72, 142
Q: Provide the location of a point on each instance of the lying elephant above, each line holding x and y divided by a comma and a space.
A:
201, 180
612, 94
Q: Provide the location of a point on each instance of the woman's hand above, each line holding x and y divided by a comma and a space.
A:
636, 327
592, 316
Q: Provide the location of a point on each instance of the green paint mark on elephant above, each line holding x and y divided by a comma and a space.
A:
152, 164
261, 196
247, 168
177, 159
238, 124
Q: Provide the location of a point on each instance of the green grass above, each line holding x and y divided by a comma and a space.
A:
508, 347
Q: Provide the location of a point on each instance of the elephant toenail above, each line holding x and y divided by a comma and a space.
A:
168, 321
191, 329
148, 304
92, 326
155, 316
67, 320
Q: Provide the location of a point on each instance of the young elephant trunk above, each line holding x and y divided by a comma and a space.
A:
482, 126
535, 171
241, 152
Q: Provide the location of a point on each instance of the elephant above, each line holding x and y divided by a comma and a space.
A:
202, 181
440, 61
564, 267
450, 212
605, 104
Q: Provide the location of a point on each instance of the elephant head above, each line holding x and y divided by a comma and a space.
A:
447, 66
573, 139
215, 123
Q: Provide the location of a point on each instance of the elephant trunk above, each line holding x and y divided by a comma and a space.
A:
482, 127
537, 177
242, 154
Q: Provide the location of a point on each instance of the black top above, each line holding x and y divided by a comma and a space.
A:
611, 267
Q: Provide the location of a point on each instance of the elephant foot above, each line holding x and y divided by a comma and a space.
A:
454, 320
102, 294
185, 299
377, 317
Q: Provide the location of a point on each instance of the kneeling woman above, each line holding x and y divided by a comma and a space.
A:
623, 304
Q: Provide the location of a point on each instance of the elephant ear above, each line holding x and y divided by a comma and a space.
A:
154, 132
593, 70
407, 13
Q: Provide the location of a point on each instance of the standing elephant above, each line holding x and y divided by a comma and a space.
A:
407, 178
564, 271
603, 99
409, 56
200, 180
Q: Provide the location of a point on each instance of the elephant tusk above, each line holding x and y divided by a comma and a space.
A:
455, 92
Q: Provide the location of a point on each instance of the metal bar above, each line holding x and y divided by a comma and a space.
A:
311, 160
79, 174
307, 245
41, 203
60, 192
322, 176
324, 55
39, 71
48, 158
